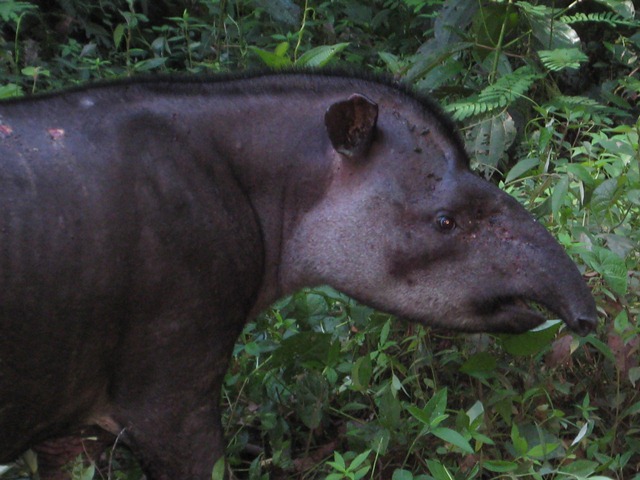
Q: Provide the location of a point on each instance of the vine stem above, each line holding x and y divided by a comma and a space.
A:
503, 28
301, 31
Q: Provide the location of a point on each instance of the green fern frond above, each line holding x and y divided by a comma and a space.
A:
509, 88
610, 18
575, 102
470, 107
580, 108
561, 58
500, 95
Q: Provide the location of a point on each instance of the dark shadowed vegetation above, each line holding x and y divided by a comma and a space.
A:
548, 96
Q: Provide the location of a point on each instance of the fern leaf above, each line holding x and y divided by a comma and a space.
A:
466, 109
508, 88
610, 18
575, 103
497, 96
561, 58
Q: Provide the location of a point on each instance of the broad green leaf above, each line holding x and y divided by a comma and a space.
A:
479, 365
436, 405
359, 459
281, 49
338, 461
395, 382
218, 469
10, 90
481, 439
581, 173
531, 342
602, 347
550, 32
438, 419
492, 139
361, 473
419, 414
454, 438
633, 409
521, 168
542, 450
320, 56
252, 348
612, 268
582, 468
400, 474
361, 373
271, 59
519, 442
150, 64
390, 409
618, 147
439, 471
392, 62
604, 196
632, 195
35, 72
384, 334
500, 466
118, 33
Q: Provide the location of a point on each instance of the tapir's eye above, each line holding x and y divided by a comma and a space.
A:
445, 223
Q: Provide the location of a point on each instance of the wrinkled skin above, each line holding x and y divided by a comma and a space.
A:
144, 222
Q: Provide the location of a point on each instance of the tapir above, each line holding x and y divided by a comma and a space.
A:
143, 222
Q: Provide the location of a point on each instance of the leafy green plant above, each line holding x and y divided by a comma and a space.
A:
354, 471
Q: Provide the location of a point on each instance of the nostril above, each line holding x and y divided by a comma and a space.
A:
585, 325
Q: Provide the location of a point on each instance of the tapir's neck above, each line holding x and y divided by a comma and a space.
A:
283, 166
275, 144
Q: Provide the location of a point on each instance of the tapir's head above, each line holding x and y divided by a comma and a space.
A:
406, 227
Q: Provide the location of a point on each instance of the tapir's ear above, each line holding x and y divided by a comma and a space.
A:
351, 125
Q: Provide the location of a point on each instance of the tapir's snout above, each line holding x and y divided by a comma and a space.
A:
583, 324
513, 274
581, 316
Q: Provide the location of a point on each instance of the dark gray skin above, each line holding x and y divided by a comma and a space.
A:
142, 223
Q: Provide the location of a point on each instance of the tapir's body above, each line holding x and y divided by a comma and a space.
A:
142, 223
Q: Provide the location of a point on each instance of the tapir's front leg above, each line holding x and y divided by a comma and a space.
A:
183, 443
166, 390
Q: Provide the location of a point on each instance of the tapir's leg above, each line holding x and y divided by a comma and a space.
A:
167, 403
177, 443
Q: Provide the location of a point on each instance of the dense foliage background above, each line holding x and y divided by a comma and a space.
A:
547, 94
